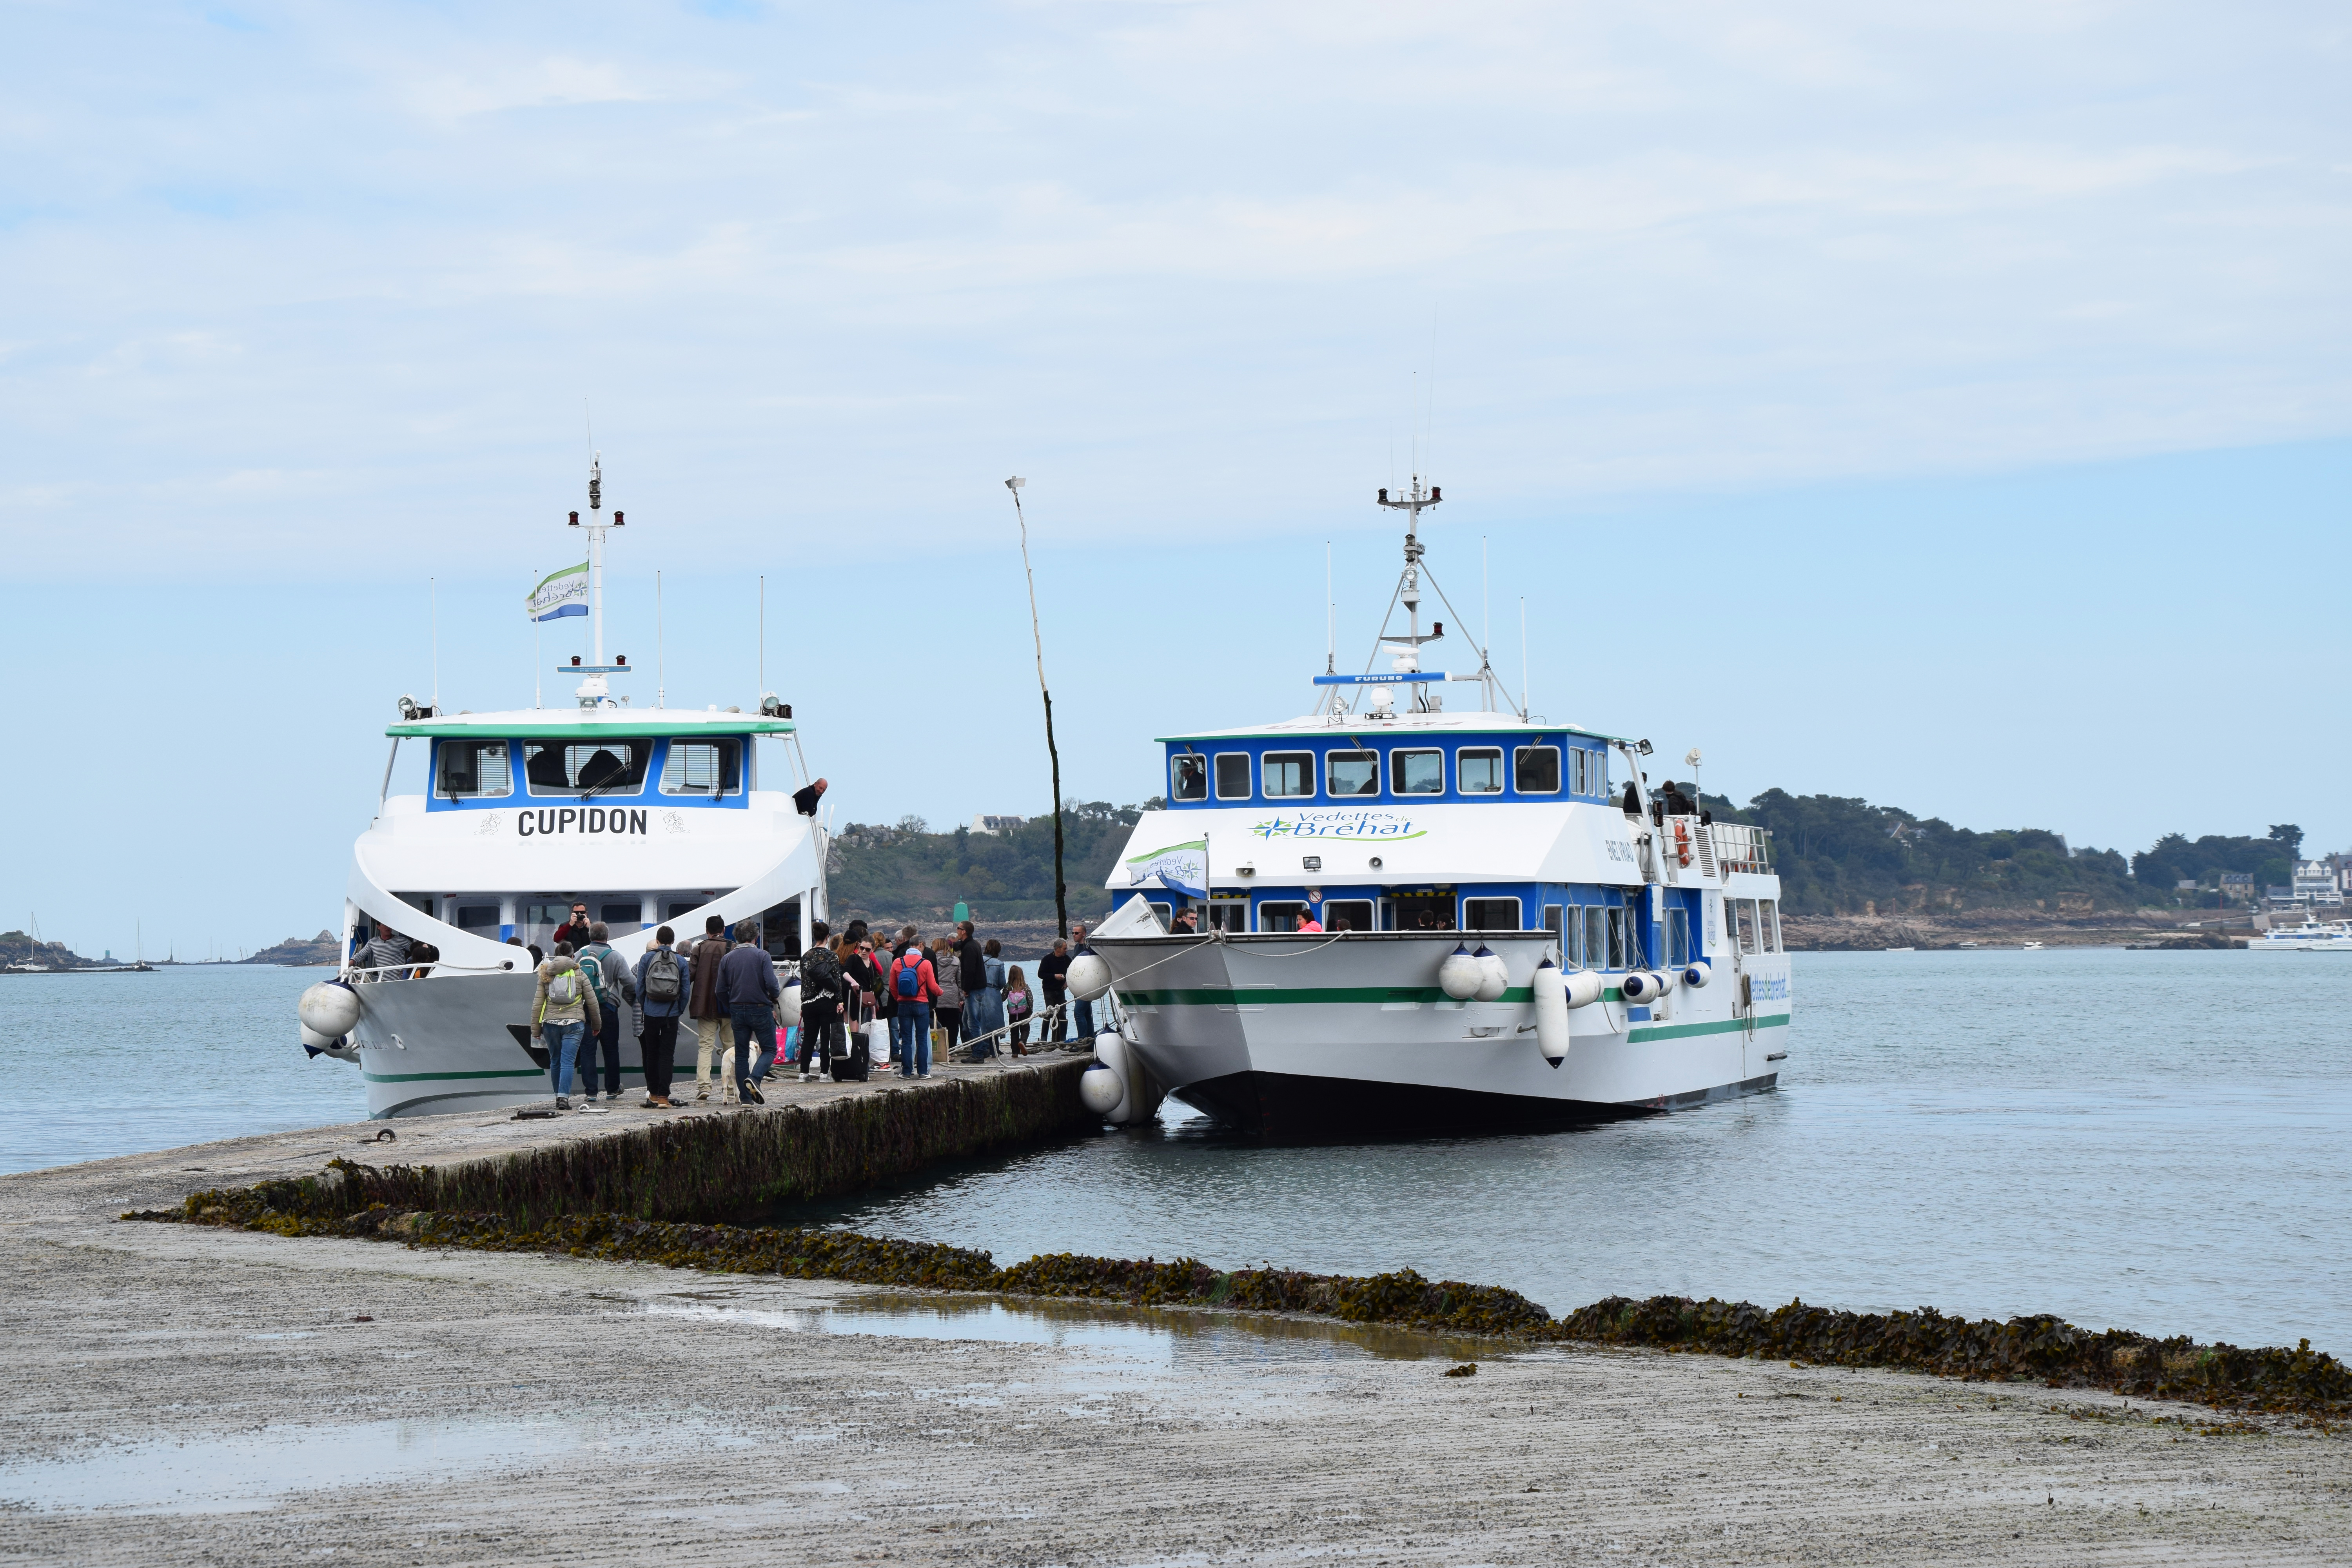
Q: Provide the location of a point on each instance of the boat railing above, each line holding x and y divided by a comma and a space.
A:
1739, 847
430, 966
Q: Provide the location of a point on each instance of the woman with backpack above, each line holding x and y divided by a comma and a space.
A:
564, 1011
664, 982
914, 986
1018, 1007
947, 1013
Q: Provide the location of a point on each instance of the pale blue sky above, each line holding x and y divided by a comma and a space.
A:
1967, 393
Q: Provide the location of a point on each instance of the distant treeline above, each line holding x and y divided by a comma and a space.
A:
1835, 854
908, 871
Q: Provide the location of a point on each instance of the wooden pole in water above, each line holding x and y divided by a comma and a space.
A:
1061, 896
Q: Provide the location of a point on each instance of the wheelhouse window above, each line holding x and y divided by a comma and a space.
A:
1490, 914
1535, 770
703, 767
600, 767
1417, 773
1768, 924
1616, 938
1678, 942
1744, 915
1594, 952
1287, 776
1353, 772
1578, 783
1551, 920
471, 769
1280, 917
1232, 775
1347, 914
1188, 777
1479, 769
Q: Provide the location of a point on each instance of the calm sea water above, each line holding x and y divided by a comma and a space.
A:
2153, 1140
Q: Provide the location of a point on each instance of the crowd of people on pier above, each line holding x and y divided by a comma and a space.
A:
952, 993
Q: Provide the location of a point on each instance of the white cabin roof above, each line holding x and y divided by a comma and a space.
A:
590, 724
1442, 723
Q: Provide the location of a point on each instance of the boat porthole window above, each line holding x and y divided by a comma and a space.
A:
1490, 914
1535, 770
1287, 776
1417, 773
710, 768
605, 767
1479, 769
1188, 777
1352, 773
472, 769
1232, 775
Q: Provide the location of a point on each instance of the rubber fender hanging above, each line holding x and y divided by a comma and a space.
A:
1550, 989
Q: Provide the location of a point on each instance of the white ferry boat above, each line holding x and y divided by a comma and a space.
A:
1417, 918
649, 816
2313, 936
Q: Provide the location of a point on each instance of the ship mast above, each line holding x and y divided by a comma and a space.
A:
593, 688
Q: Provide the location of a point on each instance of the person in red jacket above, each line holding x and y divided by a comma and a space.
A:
913, 987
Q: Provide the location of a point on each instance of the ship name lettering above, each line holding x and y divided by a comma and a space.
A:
579, 819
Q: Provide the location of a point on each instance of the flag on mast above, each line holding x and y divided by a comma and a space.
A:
559, 594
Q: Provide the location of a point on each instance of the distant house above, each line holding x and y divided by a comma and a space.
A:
2238, 885
996, 824
2316, 882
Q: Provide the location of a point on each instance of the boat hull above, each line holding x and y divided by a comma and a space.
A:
449, 1043
1316, 1036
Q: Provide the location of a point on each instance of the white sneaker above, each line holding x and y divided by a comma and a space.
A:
562, 1102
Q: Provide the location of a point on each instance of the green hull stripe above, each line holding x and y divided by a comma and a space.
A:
1223, 996
1721, 1026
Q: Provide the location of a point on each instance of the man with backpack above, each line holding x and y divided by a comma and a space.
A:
609, 978
748, 991
664, 984
711, 1021
914, 988
564, 1011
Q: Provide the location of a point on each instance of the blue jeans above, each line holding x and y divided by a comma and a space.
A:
1081, 1014
563, 1050
755, 1030
910, 1029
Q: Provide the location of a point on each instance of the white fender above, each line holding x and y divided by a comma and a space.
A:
1645, 985
1551, 990
1494, 979
1696, 975
1461, 975
1583, 987
1100, 1089
1111, 1052
1089, 976
788, 1011
330, 1009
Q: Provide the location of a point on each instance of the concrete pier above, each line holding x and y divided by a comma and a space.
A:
178, 1393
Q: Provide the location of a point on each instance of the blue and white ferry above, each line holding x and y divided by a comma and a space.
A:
649, 816
1516, 929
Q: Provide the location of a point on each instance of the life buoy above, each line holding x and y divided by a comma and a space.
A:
1681, 841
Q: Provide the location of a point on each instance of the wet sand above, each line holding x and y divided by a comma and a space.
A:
190, 1395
